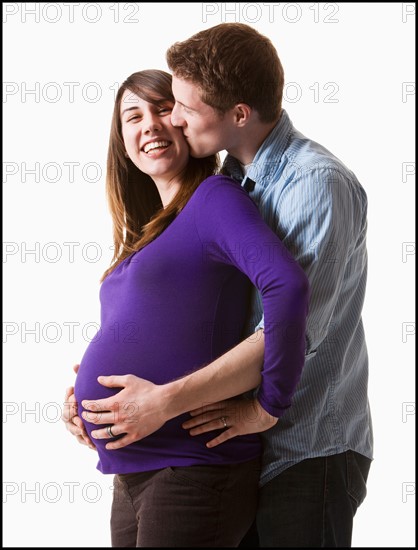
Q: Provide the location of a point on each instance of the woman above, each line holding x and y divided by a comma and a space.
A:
175, 298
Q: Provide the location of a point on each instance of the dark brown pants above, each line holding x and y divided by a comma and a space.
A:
194, 506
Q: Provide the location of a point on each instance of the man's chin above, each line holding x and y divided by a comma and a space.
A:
198, 155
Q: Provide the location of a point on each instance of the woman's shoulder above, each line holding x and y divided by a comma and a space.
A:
219, 185
220, 198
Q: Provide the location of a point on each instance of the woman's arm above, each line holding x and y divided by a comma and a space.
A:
231, 232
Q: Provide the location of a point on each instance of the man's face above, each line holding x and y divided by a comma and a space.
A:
205, 130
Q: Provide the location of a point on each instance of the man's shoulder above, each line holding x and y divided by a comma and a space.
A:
287, 145
305, 160
311, 156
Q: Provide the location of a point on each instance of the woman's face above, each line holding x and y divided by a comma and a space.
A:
153, 144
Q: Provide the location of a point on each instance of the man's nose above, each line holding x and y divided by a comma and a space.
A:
176, 119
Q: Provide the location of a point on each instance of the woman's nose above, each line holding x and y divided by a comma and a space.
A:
152, 124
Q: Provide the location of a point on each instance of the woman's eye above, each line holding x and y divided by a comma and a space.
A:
165, 110
133, 117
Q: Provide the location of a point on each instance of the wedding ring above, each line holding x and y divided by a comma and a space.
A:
109, 431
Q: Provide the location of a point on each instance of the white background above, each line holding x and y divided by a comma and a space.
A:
53, 494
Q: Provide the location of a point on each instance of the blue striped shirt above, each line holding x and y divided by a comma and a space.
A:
318, 208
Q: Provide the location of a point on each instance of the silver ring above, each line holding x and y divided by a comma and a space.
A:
109, 431
223, 419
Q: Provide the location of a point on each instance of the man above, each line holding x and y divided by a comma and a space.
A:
228, 83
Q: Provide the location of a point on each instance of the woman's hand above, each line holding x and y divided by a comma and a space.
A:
70, 417
234, 416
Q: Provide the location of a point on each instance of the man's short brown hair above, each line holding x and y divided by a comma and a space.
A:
231, 63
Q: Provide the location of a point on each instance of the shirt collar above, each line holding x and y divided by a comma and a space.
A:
277, 139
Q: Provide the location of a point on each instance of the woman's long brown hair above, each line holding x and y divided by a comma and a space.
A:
134, 202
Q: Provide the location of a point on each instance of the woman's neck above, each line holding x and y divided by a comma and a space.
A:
167, 189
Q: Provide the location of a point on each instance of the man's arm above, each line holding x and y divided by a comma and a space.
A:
141, 407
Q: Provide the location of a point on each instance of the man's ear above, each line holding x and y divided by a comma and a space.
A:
242, 114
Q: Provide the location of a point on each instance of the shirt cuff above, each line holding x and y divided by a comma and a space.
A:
275, 411
260, 324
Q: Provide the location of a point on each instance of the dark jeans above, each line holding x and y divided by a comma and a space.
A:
194, 506
311, 504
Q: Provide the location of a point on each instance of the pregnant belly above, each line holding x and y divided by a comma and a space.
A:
171, 444
148, 355
105, 357
142, 353
115, 359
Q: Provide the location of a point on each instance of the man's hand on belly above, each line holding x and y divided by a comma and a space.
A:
136, 411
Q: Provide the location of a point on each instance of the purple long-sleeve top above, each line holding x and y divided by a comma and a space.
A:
181, 302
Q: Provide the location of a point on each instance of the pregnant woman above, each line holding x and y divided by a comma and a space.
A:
188, 245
